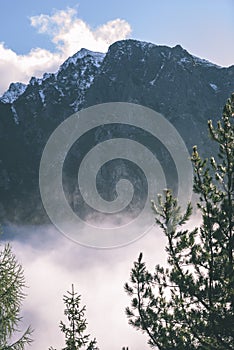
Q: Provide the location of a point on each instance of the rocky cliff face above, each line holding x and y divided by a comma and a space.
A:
185, 89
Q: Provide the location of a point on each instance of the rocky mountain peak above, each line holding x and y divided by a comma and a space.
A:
185, 89
95, 57
14, 91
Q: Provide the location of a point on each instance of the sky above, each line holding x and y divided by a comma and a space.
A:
37, 36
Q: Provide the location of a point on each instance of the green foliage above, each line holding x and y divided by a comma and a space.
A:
189, 304
77, 324
12, 283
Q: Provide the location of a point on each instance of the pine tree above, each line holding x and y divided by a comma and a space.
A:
12, 283
77, 324
190, 304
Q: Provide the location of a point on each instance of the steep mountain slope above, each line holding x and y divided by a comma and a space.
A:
185, 89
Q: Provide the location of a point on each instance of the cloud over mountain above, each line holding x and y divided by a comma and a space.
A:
69, 34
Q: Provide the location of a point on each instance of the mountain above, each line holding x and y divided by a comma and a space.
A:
185, 89
14, 91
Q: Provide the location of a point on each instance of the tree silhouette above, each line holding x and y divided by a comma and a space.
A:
189, 304
12, 284
76, 325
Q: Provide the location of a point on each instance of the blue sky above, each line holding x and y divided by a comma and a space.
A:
203, 27
36, 37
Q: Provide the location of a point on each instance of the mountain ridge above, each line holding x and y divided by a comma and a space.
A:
84, 52
184, 89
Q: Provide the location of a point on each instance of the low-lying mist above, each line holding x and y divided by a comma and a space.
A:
52, 263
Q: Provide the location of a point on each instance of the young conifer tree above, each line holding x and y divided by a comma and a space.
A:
12, 284
190, 304
76, 325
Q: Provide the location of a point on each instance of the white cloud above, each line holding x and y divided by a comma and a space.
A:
52, 263
21, 68
69, 34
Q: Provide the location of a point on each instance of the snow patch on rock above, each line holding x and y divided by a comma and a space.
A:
15, 115
42, 96
214, 87
206, 63
97, 58
15, 90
